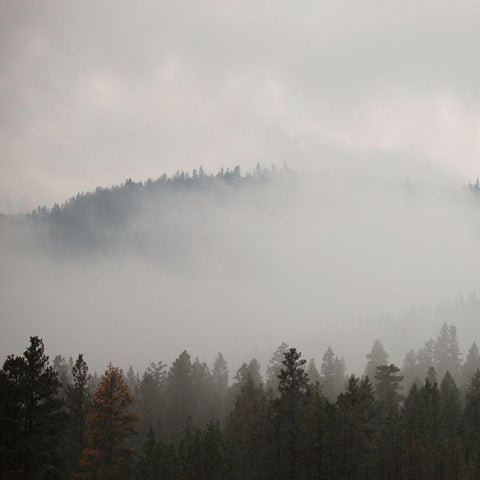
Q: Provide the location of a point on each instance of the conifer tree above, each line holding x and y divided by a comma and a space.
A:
30, 414
78, 403
327, 370
472, 428
247, 429
110, 423
450, 417
150, 400
180, 401
376, 358
410, 370
388, 388
425, 359
293, 386
274, 367
357, 410
312, 372
472, 363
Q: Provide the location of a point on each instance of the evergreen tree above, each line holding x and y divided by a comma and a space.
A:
388, 388
78, 403
131, 380
220, 387
376, 358
450, 416
446, 352
150, 399
472, 428
421, 418
340, 377
30, 415
410, 370
202, 394
425, 358
293, 387
180, 402
312, 372
220, 374
247, 430
275, 366
471, 365
357, 410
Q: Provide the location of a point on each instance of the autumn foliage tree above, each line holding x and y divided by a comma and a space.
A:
109, 424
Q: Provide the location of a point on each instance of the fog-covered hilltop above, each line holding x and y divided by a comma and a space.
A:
144, 216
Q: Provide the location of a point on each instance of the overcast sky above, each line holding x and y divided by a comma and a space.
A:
95, 92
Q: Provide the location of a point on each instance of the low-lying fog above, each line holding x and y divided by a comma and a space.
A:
310, 259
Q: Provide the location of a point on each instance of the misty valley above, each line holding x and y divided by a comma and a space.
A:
167, 272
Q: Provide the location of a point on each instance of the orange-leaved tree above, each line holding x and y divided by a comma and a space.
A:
109, 425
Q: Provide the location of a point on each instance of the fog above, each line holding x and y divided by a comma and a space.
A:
374, 108
98, 92
239, 267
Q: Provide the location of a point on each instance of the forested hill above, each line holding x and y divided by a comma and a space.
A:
176, 220
136, 215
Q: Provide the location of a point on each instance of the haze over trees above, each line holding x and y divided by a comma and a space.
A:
186, 251
192, 421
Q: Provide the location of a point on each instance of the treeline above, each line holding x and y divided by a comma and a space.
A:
421, 421
151, 217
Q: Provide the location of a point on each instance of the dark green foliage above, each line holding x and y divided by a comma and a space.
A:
450, 418
357, 411
293, 387
150, 400
296, 432
180, 395
388, 387
30, 415
471, 365
472, 428
77, 402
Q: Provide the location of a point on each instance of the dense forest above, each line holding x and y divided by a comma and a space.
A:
100, 221
304, 418
192, 421
133, 215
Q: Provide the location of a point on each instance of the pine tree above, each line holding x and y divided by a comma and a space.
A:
421, 419
472, 363
312, 372
388, 388
327, 370
472, 428
446, 352
425, 357
410, 370
180, 401
247, 429
357, 410
78, 403
110, 423
450, 417
293, 387
30, 414
274, 367
150, 399
220, 386
376, 358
